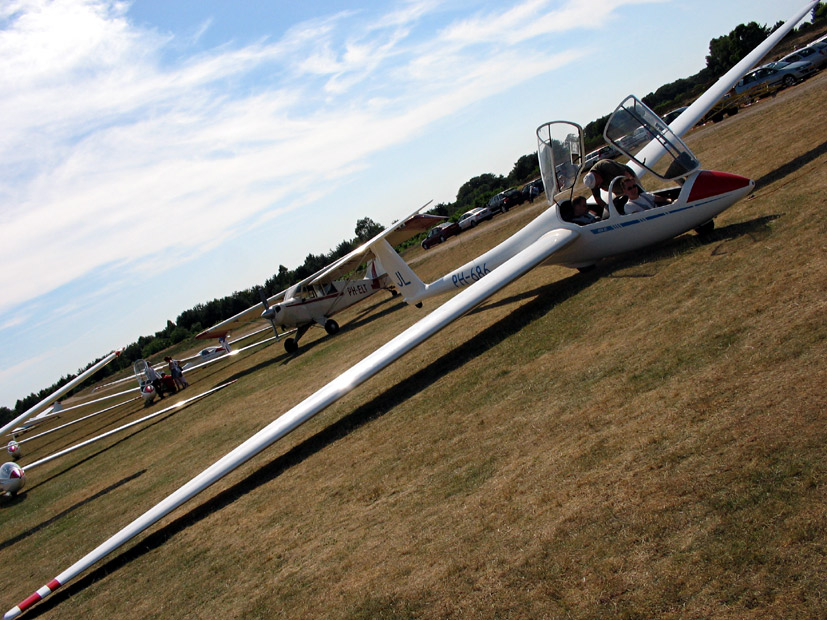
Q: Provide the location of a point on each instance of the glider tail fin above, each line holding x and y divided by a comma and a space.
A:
400, 274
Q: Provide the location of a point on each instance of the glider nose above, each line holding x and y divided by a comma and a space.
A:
709, 183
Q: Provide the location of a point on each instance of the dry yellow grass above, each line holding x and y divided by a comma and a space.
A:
643, 441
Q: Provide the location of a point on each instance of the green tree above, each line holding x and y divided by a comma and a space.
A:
366, 228
726, 51
525, 169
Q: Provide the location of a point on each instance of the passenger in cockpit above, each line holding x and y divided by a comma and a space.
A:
577, 211
581, 214
641, 201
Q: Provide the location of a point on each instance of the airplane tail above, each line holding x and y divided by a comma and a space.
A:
400, 274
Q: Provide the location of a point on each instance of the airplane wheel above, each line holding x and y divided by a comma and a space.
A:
331, 326
706, 228
291, 346
394, 293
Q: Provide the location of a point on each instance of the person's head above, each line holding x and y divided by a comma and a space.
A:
630, 188
167, 358
579, 206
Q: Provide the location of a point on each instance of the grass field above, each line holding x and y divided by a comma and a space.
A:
643, 441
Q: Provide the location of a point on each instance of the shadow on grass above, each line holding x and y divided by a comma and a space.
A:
791, 166
71, 509
102, 423
545, 297
101, 451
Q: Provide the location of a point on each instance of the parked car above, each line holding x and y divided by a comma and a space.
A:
473, 217
673, 114
775, 75
532, 189
815, 53
503, 201
604, 152
439, 233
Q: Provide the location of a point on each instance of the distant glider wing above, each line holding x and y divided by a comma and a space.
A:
443, 316
51, 398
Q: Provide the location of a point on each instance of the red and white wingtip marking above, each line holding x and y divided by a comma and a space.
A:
43, 592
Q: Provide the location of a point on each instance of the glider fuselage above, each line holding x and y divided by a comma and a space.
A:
704, 195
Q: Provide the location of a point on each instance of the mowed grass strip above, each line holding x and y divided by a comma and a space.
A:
645, 440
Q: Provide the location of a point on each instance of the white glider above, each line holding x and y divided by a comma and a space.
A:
557, 238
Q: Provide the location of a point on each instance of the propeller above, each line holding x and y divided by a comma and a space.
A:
269, 313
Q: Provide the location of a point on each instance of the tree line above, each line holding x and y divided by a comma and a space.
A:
724, 52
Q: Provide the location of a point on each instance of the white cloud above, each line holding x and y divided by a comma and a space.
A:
114, 157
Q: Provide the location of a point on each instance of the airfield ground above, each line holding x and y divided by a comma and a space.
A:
647, 440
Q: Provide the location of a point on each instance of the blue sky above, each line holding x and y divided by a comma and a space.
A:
157, 154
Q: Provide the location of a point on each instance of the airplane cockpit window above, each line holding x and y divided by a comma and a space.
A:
646, 138
560, 153
307, 292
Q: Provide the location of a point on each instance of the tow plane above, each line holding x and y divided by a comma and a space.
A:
314, 300
529, 248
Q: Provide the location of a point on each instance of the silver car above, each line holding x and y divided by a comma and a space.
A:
815, 53
473, 217
775, 75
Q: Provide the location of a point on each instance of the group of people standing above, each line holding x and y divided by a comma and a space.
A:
177, 372
163, 382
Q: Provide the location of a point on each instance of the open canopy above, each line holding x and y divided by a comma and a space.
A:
560, 151
633, 126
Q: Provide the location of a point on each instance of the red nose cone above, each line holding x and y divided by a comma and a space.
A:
709, 183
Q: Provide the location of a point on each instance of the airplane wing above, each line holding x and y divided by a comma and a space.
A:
395, 234
652, 152
443, 316
245, 317
403, 230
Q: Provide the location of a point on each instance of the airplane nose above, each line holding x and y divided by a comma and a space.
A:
709, 183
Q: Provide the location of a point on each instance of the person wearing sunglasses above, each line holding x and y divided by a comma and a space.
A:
640, 201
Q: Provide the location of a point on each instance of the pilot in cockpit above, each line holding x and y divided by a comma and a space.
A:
640, 200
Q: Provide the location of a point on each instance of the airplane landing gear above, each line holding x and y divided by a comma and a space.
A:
706, 228
331, 326
291, 345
